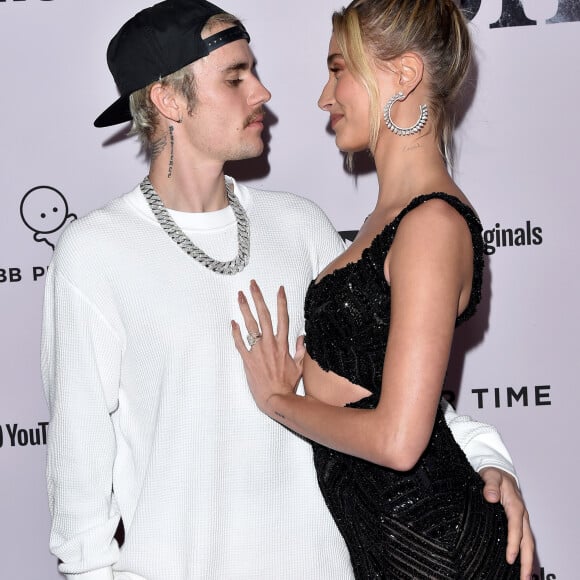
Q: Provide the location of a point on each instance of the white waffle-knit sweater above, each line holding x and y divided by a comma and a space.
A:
148, 398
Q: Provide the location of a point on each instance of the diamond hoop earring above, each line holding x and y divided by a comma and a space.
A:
403, 131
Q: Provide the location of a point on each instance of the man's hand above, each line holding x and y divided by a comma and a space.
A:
501, 486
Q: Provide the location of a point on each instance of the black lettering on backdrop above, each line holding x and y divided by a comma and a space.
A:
500, 237
10, 275
348, 235
512, 395
540, 396
543, 576
23, 437
13, 274
470, 8
513, 13
568, 11
38, 272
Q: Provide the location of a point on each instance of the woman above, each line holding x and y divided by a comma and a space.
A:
380, 319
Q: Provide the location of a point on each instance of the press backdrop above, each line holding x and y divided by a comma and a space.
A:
516, 365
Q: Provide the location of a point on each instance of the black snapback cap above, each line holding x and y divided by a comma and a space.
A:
156, 42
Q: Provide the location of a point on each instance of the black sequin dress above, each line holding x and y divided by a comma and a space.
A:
427, 523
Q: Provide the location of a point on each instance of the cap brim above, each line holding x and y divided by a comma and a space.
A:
118, 112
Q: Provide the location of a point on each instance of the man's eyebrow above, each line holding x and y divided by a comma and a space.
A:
237, 66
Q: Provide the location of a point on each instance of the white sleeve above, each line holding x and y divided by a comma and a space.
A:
327, 242
481, 443
101, 574
80, 370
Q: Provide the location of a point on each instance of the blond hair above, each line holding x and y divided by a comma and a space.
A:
382, 30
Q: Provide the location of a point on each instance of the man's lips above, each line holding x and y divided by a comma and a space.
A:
255, 119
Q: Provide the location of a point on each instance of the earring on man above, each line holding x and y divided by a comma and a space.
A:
403, 131
171, 144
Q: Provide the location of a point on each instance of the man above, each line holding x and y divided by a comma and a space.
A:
152, 424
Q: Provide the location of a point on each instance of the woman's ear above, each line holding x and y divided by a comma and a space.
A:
410, 69
164, 99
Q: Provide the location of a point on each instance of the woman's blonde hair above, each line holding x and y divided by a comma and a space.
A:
144, 112
382, 30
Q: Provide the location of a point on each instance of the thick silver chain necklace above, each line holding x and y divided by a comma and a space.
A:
178, 236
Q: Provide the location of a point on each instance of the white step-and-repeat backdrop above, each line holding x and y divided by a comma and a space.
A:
518, 159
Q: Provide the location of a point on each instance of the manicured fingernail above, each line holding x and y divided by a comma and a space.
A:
241, 297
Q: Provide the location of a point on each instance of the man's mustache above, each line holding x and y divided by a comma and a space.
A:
257, 114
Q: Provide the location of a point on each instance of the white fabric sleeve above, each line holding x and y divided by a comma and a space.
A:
102, 574
329, 244
324, 242
481, 443
80, 358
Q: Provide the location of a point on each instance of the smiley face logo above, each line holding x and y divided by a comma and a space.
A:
44, 210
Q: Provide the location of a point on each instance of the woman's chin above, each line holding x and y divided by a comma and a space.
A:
348, 149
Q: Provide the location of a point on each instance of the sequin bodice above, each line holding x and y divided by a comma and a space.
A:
430, 522
348, 312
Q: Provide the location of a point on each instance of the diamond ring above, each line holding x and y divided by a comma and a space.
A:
253, 338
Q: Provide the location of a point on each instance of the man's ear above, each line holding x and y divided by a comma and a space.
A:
164, 99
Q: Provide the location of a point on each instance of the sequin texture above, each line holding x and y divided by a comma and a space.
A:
427, 523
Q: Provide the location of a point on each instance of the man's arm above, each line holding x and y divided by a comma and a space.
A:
326, 243
488, 455
80, 361
480, 442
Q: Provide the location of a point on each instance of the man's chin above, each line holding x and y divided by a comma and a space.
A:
250, 152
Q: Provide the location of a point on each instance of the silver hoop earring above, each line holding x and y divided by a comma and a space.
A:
403, 131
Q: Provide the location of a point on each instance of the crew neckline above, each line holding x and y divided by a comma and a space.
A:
209, 220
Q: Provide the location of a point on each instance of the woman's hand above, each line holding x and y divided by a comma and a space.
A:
270, 369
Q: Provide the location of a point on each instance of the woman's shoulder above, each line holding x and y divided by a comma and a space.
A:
438, 210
